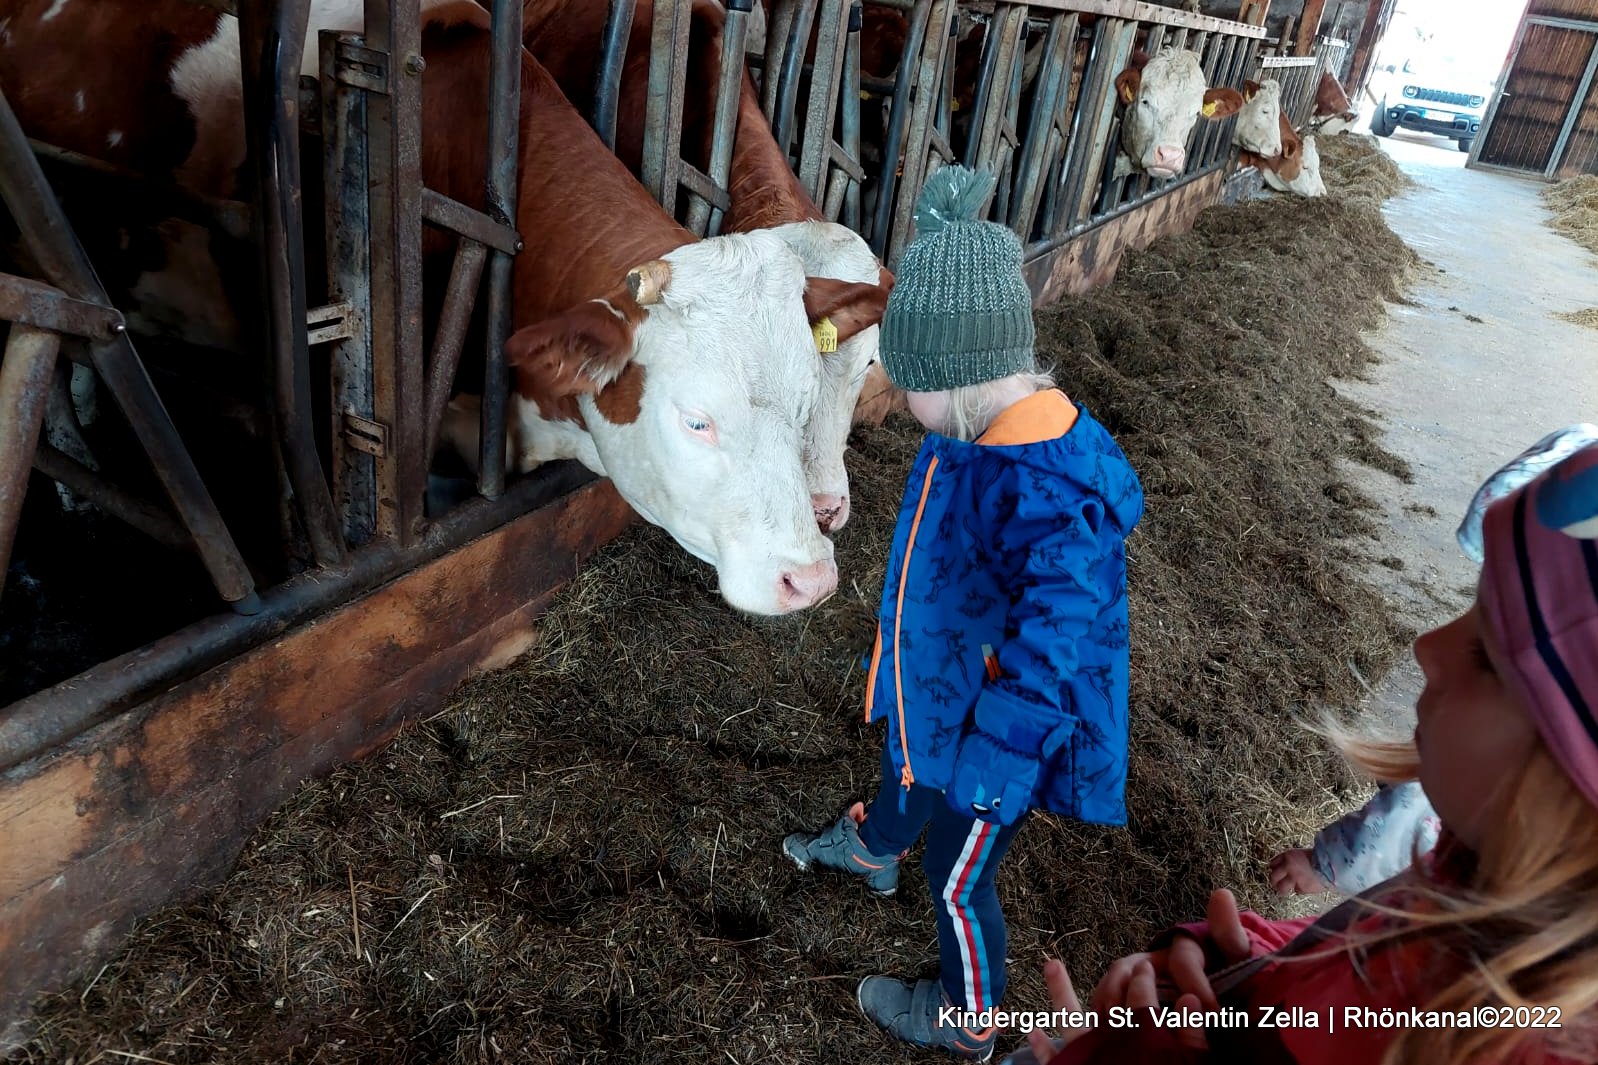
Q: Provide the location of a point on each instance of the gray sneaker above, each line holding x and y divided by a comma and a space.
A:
839, 847
909, 1012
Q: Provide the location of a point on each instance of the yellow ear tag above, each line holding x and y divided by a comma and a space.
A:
826, 336
954, 105
1211, 107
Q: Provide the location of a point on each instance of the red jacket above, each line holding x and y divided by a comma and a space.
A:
1313, 1000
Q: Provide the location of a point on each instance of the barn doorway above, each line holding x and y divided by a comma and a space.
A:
1544, 118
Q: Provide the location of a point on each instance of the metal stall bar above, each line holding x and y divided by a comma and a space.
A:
346, 177
843, 192
393, 137
25, 374
928, 67
816, 145
460, 296
668, 68
1044, 144
612, 59
149, 519
705, 216
893, 146
52, 244
504, 122
993, 138
271, 41
1095, 117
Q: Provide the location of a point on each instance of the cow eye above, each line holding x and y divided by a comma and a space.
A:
699, 424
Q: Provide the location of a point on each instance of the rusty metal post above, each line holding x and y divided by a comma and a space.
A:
815, 150
149, 519
53, 245
504, 122
346, 177
460, 296
271, 41
25, 374
394, 147
927, 66
668, 68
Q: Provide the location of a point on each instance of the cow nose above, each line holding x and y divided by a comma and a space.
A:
831, 510
1169, 158
806, 586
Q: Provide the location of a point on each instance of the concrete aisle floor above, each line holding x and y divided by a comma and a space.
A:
1477, 369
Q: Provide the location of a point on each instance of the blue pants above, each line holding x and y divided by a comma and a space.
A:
962, 856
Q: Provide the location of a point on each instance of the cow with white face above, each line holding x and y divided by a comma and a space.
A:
687, 371
1303, 180
1258, 128
1162, 97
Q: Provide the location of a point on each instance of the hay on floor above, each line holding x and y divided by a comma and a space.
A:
1573, 204
578, 860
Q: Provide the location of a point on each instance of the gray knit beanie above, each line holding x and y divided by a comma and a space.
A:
960, 312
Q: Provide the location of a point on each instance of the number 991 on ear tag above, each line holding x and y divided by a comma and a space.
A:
826, 336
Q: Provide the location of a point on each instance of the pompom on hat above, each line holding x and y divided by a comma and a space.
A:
1539, 597
960, 313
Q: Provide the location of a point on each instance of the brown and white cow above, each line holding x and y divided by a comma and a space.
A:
1161, 99
691, 393
1260, 121
1295, 167
1334, 112
764, 194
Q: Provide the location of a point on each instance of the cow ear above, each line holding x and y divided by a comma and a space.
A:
579, 351
1127, 83
647, 283
1219, 103
1291, 148
851, 306
1250, 90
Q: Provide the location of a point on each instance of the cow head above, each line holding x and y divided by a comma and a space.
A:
694, 384
1162, 98
1258, 127
846, 290
1302, 174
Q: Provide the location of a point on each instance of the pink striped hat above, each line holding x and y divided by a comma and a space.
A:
1539, 593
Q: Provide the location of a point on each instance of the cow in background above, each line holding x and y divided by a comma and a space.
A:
1294, 168
1161, 98
1334, 112
1260, 120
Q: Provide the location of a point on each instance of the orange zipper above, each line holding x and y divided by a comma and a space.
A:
871, 678
906, 777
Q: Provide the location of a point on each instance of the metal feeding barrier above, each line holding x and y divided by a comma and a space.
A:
353, 393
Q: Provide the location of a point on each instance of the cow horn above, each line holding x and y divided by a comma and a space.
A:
649, 281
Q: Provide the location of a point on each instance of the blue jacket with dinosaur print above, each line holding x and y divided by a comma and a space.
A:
1001, 657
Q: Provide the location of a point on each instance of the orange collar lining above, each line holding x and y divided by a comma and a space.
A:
1046, 415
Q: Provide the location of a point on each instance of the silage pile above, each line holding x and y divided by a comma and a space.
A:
1574, 206
578, 860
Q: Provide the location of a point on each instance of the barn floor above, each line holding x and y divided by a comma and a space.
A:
1474, 368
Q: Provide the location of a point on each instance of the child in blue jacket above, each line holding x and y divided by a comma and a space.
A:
1001, 656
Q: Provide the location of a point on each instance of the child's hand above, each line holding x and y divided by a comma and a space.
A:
1181, 966
1293, 873
1042, 1048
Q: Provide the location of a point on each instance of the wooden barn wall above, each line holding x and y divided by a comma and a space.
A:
1539, 90
1577, 9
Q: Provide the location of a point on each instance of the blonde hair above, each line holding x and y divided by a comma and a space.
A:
1522, 927
972, 408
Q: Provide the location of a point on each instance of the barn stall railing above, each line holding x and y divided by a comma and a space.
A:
363, 521
1024, 89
